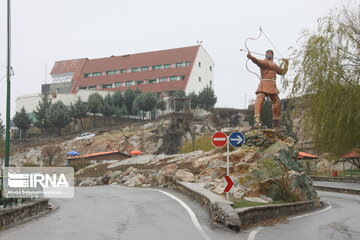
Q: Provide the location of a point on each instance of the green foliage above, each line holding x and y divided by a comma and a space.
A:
129, 98
200, 143
95, 102
40, 112
161, 104
179, 93
194, 98
123, 111
2, 128
30, 165
145, 102
207, 98
79, 165
58, 116
108, 109
327, 77
118, 99
78, 110
22, 120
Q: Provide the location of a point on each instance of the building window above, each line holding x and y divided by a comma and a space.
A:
107, 86
96, 74
199, 79
117, 84
87, 75
157, 67
144, 69
92, 87
135, 69
174, 78
187, 64
82, 88
182, 77
210, 83
152, 81
163, 79
139, 82
166, 66
129, 83
210, 68
199, 64
123, 70
113, 72
181, 64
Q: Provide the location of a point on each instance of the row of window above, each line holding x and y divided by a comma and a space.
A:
137, 69
133, 83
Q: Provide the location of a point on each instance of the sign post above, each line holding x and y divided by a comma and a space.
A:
235, 139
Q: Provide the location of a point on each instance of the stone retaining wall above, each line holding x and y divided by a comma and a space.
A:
220, 212
338, 190
19, 213
333, 179
255, 214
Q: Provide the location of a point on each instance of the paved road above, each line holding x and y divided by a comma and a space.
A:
108, 212
341, 222
355, 186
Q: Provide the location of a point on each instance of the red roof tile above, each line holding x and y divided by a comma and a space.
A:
355, 153
97, 154
66, 66
304, 155
169, 56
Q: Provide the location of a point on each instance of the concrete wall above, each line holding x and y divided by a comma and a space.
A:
202, 71
30, 101
64, 87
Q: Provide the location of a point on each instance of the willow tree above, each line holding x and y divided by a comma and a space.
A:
326, 67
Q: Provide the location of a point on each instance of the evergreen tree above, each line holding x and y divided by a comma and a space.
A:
123, 111
2, 128
207, 99
40, 112
161, 104
58, 116
129, 97
22, 121
95, 103
118, 99
78, 111
194, 98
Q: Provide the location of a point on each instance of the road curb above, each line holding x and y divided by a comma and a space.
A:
337, 190
333, 179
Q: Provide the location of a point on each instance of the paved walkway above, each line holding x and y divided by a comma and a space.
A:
355, 186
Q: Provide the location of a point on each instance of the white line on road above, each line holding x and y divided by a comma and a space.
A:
254, 232
188, 209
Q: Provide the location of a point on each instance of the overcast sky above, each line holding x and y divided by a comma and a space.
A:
44, 31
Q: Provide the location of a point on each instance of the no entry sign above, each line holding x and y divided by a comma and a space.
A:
219, 139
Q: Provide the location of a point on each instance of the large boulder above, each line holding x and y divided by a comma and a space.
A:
184, 176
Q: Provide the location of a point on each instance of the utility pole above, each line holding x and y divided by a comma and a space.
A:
7, 131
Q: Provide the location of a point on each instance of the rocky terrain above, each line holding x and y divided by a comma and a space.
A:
265, 169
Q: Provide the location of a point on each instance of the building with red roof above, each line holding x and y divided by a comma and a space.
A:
165, 71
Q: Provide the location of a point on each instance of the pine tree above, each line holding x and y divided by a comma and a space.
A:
207, 98
22, 121
2, 128
78, 111
58, 116
40, 112
95, 102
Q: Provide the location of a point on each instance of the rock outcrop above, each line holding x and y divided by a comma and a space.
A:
265, 169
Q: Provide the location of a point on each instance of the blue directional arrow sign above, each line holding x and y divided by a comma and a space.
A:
236, 139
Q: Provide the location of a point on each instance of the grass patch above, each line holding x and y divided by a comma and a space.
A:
201, 143
244, 203
30, 165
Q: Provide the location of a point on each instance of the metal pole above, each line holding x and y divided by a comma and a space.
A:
227, 163
7, 131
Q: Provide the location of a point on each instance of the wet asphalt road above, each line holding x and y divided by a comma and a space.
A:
108, 212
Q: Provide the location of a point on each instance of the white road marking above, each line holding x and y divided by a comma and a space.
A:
254, 232
184, 205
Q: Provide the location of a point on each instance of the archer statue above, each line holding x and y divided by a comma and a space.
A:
267, 86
